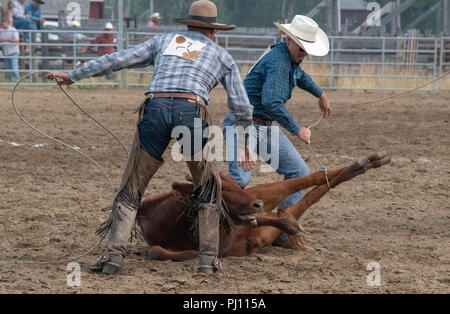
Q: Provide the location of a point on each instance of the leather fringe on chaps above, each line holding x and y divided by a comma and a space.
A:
210, 182
139, 170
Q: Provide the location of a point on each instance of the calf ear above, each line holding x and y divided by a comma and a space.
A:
183, 190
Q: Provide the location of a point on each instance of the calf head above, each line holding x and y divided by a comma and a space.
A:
239, 203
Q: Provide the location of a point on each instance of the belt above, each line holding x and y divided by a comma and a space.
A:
190, 96
262, 121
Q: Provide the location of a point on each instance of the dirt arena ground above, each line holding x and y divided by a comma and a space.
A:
397, 216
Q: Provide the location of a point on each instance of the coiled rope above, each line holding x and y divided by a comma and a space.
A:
72, 148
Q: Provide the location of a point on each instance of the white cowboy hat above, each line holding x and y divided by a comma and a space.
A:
108, 26
76, 24
155, 15
305, 32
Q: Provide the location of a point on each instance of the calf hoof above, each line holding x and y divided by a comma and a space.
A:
249, 220
373, 161
296, 242
380, 159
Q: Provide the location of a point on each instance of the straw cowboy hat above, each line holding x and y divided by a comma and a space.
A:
305, 32
203, 13
155, 16
108, 26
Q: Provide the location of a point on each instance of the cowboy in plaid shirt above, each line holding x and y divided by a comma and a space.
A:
187, 66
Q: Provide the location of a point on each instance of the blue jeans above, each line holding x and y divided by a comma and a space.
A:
21, 23
161, 116
290, 164
13, 64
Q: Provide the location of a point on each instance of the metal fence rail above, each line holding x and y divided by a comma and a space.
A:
369, 63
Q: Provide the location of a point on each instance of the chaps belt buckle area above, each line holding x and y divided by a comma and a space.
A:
262, 121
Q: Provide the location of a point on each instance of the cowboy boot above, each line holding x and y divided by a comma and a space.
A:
208, 226
124, 212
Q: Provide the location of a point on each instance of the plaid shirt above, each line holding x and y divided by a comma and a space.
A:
212, 66
269, 86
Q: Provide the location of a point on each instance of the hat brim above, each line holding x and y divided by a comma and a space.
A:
196, 23
319, 48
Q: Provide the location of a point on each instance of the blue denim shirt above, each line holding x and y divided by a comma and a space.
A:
269, 86
35, 13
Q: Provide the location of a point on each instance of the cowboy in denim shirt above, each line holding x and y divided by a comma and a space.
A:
269, 86
33, 9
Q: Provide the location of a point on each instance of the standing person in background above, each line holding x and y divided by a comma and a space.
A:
8, 12
9, 39
106, 38
154, 20
62, 19
22, 20
33, 9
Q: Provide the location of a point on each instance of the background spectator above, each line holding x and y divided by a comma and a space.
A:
8, 12
33, 9
20, 19
154, 20
105, 38
9, 41
62, 18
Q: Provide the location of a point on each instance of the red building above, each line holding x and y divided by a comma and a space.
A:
96, 9
353, 13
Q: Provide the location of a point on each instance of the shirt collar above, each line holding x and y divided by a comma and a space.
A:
288, 54
198, 33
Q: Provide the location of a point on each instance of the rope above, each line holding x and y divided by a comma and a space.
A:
58, 261
324, 168
395, 95
72, 148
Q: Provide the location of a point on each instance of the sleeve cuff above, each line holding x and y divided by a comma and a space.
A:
318, 92
295, 128
72, 76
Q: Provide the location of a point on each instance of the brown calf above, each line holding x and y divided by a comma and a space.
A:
167, 221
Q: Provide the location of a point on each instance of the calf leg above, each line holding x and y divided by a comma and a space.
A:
264, 236
273, 194
360, 167
286, 224
160, 254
